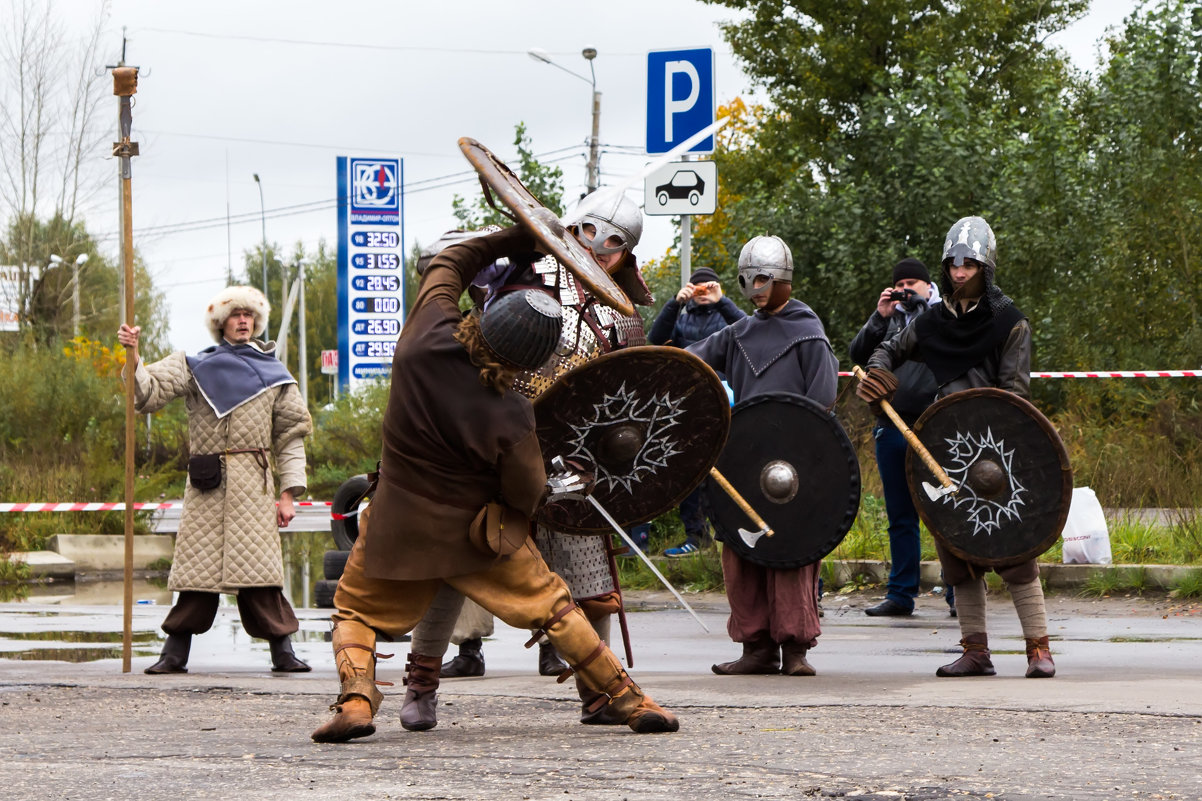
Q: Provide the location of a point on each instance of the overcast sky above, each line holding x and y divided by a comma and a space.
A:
229, 89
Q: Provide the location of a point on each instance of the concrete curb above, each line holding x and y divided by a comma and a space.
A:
1055, 576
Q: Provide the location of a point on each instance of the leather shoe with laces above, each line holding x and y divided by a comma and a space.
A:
888, 608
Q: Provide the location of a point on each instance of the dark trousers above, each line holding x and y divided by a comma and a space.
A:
265, 613
770, 603
905, 550
692, 515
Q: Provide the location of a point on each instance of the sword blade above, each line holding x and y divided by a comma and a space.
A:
626, 538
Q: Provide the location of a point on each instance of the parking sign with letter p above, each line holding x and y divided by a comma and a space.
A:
680, 98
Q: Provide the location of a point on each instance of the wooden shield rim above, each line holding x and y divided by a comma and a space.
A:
850, 513
1066, 476
669, 502
562, 245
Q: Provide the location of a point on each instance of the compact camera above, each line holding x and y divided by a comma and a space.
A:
901, 294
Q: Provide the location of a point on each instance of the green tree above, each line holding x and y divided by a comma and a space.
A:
48, 310
545, 183
887, 122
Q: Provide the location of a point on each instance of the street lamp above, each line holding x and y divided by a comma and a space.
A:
80, 261
263, 219
593, 170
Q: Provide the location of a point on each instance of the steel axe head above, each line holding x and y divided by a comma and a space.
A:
935, 493
752, 537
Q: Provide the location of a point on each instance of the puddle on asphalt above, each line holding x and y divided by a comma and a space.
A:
303, 568
62, 636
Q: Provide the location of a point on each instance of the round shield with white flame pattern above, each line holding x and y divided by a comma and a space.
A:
1011, 471
648, 422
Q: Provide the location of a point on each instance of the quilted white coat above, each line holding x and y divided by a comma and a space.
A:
228, 537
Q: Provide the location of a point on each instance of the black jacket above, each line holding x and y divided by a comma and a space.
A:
682, 326
916, 384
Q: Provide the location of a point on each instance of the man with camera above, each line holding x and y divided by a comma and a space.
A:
699, 309
899, 305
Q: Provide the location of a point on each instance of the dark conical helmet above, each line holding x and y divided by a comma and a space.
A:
523, 327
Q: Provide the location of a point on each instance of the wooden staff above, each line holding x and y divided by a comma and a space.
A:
912, 439
125, 84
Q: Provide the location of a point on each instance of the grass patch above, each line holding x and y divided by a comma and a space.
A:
1104, 583
1188, 586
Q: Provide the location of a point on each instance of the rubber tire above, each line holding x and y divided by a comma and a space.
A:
323, 594
333, 563
346, 531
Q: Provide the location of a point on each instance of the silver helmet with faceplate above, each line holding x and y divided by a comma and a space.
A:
610, 214
764, 256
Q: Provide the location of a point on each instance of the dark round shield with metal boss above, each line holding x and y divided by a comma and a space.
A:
1011, 469
648, 421
791, 460
558, 242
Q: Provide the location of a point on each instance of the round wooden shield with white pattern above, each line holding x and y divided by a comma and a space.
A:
648, 422
1014, 481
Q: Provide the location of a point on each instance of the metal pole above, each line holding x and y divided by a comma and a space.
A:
304, 356
75, 300
594, 166
263, 220
594, 143
125, 84
686, 248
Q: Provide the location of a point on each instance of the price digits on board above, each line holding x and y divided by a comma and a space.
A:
377, 283
376, 261
376, 239
375, 349
377, 327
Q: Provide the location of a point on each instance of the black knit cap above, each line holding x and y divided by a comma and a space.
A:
703, 275
910, 268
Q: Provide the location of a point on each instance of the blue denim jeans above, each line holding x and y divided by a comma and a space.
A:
692, 515
905, 550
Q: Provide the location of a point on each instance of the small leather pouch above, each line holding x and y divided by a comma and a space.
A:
204, 471
499, 530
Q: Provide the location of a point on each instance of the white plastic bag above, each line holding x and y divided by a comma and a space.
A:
1086, 538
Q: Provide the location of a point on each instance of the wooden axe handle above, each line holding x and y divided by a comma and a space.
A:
910, 436
738, 499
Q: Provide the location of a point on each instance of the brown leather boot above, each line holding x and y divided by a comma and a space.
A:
592, 714
974, 662
612, 695
355, 656
174, 658
419, 712
760, 657
793, 660
549, 663
1039, 659
469, 662
284, 659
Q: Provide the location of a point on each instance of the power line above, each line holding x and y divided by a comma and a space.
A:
425, 185
354, 45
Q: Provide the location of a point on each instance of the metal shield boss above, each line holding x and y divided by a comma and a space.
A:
648, 421
498, 179
792, 462
1013, 473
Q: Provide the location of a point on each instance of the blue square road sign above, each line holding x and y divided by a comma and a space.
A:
680, 98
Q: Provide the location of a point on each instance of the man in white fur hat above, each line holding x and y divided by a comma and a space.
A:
243, 406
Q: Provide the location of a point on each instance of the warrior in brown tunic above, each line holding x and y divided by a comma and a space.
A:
456, 440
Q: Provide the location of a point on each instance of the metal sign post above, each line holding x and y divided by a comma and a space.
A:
125, 84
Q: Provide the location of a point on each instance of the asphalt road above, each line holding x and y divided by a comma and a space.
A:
1122, 719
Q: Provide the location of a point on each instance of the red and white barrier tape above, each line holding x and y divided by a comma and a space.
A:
1113, 374
114, 507
118, 507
